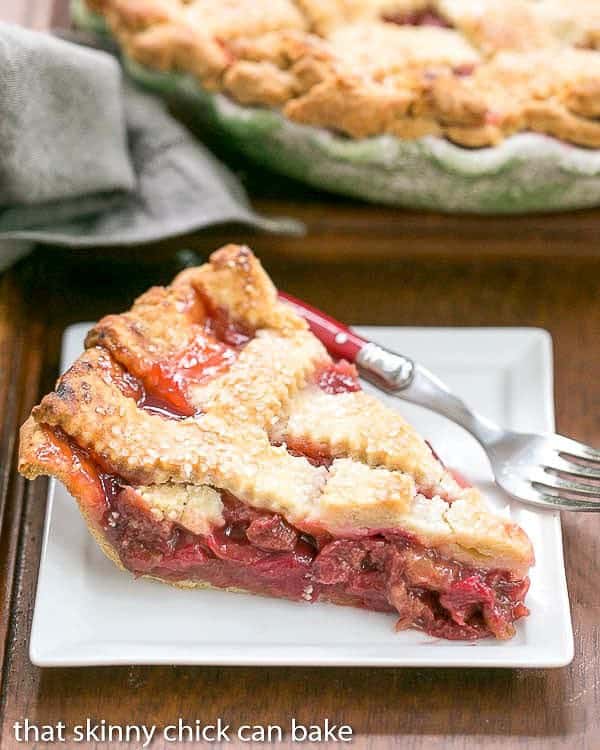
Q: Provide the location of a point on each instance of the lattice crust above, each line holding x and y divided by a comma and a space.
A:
560, 96
235, 281
328, 62
576, 24
197, 508
259, 384
325, 16
160, 320
361, 427
384, 475
400, 49
495, 25
160, 323
387, 496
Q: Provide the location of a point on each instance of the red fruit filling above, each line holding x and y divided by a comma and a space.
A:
261, 552
313, 454
464, 70
423, 17
338, 377
211, 352
161, 387
166, 381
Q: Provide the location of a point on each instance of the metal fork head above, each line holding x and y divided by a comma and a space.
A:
548, 471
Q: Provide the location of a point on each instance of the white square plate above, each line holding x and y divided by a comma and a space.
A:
88, 612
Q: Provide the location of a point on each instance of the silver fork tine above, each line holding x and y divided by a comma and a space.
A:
562, 503
570, 467
573, 448
552, 482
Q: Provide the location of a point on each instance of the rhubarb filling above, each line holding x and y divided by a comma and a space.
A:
427, 16
211, 352
338, 377
160, 386
261, 552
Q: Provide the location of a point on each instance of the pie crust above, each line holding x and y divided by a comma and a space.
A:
472, 71
209, 439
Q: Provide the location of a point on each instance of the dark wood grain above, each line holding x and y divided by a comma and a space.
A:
408, 708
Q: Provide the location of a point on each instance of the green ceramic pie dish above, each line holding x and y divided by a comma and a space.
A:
528, 172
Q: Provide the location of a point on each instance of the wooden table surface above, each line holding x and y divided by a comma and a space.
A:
414, 708
450, 271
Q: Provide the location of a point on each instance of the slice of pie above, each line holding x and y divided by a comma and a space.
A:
210, 440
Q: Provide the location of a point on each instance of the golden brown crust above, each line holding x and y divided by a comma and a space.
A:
360, 67
325, 16
546, 91
384, 475
357, 109
496, 25
259, 83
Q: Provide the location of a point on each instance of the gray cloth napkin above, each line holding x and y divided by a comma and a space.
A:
86, 159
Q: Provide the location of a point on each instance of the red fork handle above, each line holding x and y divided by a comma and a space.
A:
339, 340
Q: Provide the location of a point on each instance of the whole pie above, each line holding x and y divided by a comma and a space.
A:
472, 71
210, 440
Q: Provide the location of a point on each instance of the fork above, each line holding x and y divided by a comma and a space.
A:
545, 470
